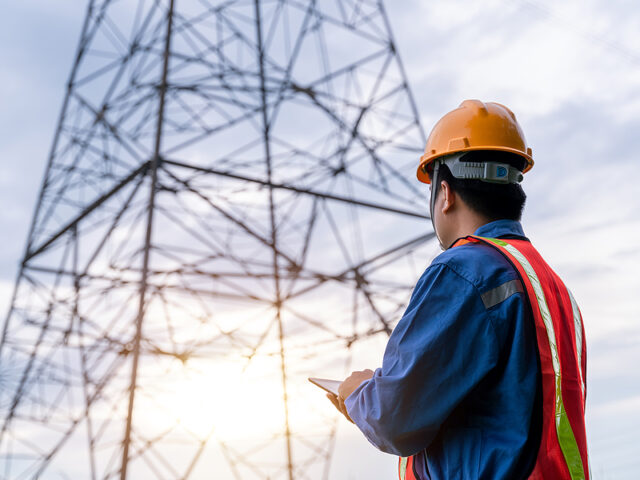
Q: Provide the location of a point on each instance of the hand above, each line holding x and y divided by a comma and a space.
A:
346, 388
340, 406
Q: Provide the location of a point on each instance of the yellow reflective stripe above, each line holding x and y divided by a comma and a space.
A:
403, 467
566, 438
577, 322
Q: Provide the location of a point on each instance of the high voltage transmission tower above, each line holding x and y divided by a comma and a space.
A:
229, 206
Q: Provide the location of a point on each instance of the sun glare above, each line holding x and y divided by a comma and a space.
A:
219, 399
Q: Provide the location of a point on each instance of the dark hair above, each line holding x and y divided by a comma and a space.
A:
492, 200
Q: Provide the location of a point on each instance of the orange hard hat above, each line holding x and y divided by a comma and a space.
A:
475, 125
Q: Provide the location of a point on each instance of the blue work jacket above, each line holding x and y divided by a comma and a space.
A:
460, 380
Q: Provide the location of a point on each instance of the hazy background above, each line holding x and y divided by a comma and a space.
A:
570, 72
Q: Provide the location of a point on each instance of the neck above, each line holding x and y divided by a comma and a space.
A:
466, 224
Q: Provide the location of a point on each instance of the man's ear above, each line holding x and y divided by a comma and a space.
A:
448, 196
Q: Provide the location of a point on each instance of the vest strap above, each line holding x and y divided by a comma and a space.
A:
405, 469
566, 437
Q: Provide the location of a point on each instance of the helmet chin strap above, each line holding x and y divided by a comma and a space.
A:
432, 200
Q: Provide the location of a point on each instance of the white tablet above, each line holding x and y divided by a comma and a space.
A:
327, 385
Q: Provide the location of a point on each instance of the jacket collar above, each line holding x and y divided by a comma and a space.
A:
500, 229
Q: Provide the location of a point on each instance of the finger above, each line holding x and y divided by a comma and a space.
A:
343, 408
333, 400
338, 402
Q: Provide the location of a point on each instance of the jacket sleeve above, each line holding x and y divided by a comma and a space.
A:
443, 346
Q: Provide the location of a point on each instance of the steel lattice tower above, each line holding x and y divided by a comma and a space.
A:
229, 205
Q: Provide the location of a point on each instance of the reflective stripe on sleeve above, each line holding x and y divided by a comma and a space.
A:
499, 294
566, 438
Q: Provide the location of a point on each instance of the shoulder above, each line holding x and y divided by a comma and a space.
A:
481, 265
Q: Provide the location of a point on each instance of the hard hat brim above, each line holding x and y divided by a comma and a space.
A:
427, 159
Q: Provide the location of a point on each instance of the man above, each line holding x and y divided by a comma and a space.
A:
484, 375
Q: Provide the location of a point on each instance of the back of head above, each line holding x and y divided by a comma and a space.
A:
494, 201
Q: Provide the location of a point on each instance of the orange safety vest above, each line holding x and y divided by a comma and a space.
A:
563, 362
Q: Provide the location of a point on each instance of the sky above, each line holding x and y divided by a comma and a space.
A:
569, 71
